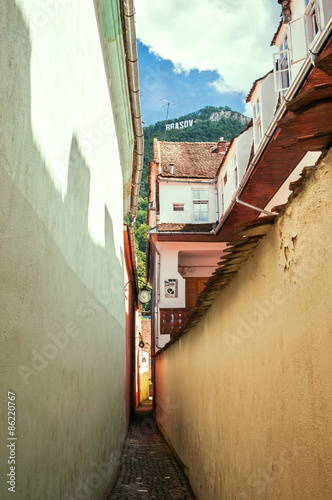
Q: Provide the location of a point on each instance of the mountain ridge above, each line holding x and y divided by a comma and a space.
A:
208, 113
207, 124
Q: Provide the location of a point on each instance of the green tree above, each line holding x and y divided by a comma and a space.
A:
141, 237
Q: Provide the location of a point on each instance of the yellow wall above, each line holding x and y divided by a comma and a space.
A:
245, 398
144, 386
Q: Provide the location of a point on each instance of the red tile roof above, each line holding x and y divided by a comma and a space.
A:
184, 228
146, 330
190, 159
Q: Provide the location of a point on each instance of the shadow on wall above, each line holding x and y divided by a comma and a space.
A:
55, 284
23, 163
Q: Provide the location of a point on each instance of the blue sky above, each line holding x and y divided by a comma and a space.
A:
201, 53
189, 90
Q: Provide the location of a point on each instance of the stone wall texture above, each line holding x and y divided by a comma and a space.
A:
245, 398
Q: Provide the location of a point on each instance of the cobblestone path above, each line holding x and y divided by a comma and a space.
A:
148, 467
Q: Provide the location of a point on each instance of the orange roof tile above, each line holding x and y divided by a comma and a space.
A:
190, 159
146, 330
168, 227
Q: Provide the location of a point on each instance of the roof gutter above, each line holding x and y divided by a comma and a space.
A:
307, 65
131, 238
132, 62
206, 180
180, 233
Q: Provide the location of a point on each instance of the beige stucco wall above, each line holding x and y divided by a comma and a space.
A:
62, 316
245, 398
144, 387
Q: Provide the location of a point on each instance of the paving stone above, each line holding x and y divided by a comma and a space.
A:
149, 470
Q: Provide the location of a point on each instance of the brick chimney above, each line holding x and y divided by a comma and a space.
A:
222, 145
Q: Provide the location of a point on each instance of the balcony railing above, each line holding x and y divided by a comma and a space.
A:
173, 320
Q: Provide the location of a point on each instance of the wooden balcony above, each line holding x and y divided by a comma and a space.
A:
173, 320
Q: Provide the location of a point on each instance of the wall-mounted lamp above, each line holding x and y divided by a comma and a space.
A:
144, 295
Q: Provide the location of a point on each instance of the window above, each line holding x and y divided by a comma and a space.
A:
284, 47
178, 207
257, 123
235, 170
281, 67
258, 131
201, 205
312, 21
256, 109
225, 179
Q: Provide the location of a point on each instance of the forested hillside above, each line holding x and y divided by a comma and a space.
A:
209, 124
205, 125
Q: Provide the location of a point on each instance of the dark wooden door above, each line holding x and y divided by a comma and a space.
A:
194, 286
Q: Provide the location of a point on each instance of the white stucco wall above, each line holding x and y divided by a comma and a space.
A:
268, 99
228, 189
240, 149
243, 149
325, 10
297, 31
62, 312
182, 192
283, 192
169, 261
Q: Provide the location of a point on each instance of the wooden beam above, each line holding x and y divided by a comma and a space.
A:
309, 121
324, 61
310, 96
314, 142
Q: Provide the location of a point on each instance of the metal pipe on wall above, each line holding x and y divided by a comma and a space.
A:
132, 60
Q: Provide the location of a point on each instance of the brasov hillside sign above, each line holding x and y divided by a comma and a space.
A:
179, 125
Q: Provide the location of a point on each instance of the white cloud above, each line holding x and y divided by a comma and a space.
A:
231, 37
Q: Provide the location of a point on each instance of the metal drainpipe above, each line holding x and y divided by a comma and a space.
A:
281, 111
158, 287
132, 248
132, 59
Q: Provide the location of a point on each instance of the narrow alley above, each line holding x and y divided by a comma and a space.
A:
148, 468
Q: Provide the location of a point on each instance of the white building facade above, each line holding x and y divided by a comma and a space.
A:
192, 217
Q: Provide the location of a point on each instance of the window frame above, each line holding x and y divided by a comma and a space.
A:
200, 202
257, 121
312, 21
222, 199
282, 66
178, 207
